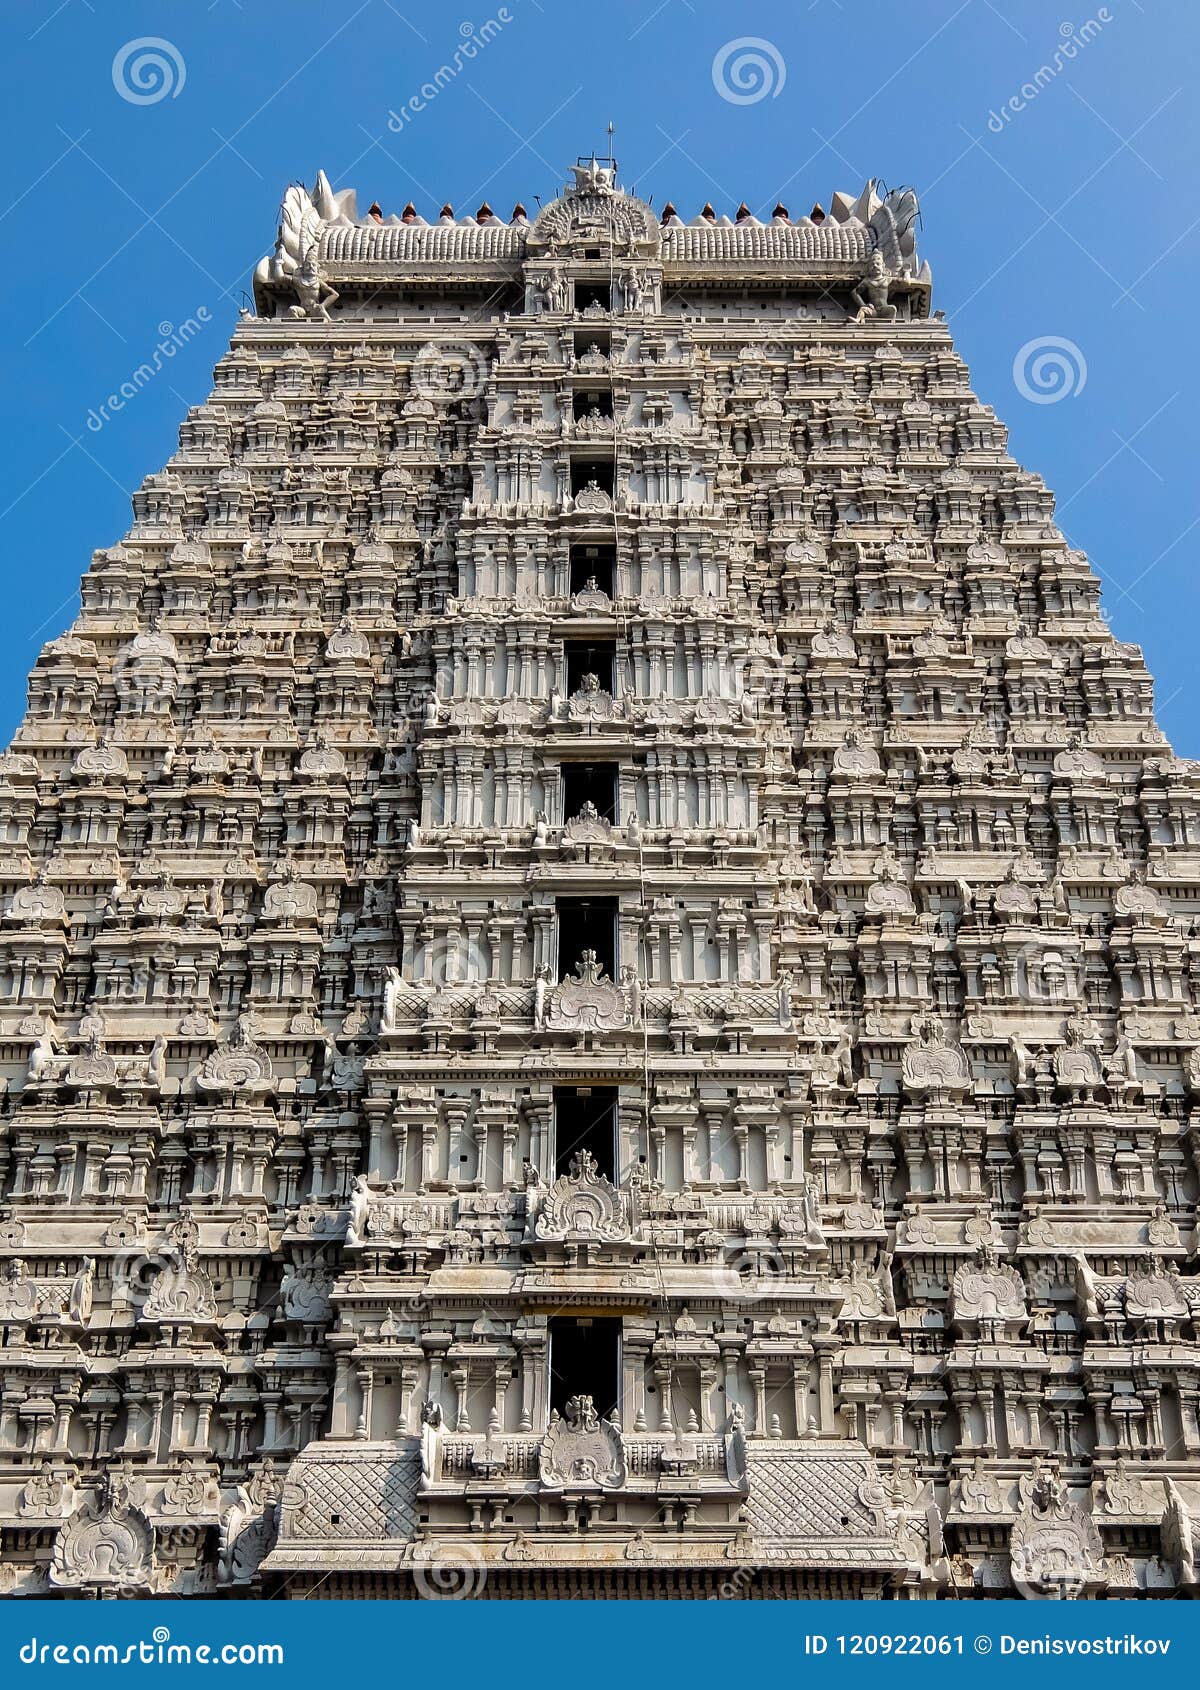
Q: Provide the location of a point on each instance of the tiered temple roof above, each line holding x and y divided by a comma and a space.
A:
599, 969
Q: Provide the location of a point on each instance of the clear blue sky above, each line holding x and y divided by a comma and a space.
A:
1077, 217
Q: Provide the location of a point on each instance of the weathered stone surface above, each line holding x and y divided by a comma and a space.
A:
899, 1014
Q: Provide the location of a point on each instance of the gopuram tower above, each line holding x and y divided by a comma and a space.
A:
599, 984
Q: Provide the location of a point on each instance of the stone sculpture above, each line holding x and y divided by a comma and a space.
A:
596, 948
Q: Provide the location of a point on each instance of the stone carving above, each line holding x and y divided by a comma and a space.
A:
830, 642
1137, 899
1077, 762
591, 702
588, 1001
1076, 1065
592, 497
871, 294
105, 1547
182, 1292
889, 896
289, 900
1055, 1548
305, 1293
237, 1067
901, 1044
581, 1203
1122, 1492
988, 1297
581, 1451
979, 1493
192, 1493
37, 905
931, 1063
854, 756
47, 1493
247, 1532
1178, 1535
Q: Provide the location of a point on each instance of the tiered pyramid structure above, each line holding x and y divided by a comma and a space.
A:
599, 964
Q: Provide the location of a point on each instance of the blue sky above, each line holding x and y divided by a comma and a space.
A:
1075, 217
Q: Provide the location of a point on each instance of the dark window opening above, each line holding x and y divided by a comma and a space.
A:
590, 657
589, 472
585, 658
583, 1363
593, 564
587, 924
585, 1118
590, 783
593, 293
588, 400
592, 339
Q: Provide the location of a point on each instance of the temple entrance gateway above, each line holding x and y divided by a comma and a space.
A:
596, 957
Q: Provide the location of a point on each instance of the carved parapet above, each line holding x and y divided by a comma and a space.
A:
933, 1067
1055, 1548
582, 1205
581, 1450
239, 1068
106, 1547
987, 1298
588, 1002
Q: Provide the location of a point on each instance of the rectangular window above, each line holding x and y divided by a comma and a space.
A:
586, 924
593, 569
589, 472
590, 783
593, 293
585, 1118
590, 657
584, 1362
589, 400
